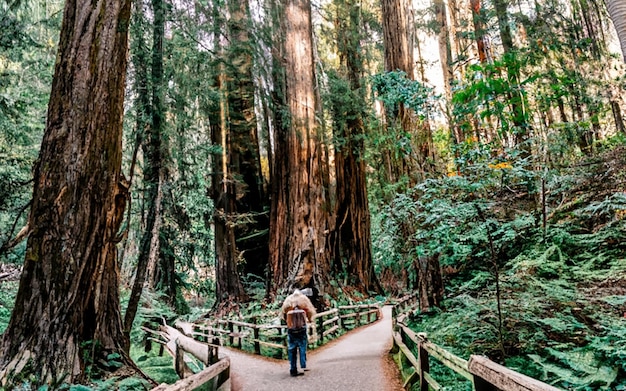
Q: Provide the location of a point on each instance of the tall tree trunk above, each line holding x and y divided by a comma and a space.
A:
299, 217
429, 282
244, 158
224, 192
153, 173
67, 310
445, 52
223, 187
352, 216
617, 12
398, 42
155, 148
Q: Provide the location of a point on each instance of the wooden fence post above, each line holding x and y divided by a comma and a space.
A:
320, 328
257, 345
424, 365
231, 334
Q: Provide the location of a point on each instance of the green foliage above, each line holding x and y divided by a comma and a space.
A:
26, 61
158, 368
8, 291
394, 88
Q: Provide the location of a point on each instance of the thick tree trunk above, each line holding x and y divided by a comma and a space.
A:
67, 310
299, 219
398, 37
352, 216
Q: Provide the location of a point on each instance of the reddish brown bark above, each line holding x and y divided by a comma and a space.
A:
352, 244
67, 307
299, 206
479, 31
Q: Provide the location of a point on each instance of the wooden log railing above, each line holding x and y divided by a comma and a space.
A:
253, 336
180, 345
484, 374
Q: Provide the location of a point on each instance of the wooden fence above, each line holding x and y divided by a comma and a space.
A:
417, 351
179, 344
252, 336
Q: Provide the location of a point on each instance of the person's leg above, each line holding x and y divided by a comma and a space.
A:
292, 347
302, 346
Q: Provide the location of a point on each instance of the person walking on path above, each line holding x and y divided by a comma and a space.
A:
297, 309
357, 361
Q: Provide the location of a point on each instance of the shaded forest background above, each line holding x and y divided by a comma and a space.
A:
472, 152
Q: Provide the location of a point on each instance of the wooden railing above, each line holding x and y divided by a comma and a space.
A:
417, 350
253, 336
179, 345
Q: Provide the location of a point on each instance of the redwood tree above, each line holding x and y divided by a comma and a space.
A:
67, 310
352, 238
299, 217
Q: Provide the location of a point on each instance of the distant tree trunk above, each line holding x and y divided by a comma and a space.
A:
617, 116
155, 151
228, 285
398, 57
252, 203
516, 97
398, 42
153, 172
617, 12
445, 57
352, 216
224, 193
429, 282
479, 31
67, 310
299, 218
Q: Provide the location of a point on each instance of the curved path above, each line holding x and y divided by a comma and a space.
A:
359, 360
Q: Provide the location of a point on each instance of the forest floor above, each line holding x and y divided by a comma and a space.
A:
359, 360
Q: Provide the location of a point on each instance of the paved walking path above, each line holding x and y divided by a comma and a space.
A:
357, 361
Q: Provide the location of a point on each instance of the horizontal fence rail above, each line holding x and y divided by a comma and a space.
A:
484, 374
180, 344
258, 338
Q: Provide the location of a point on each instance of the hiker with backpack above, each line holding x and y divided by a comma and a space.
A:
297, 309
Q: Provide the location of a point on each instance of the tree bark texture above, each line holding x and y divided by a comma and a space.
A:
223, 190
617, 12
429, 282
352, 246
252, 203
397, 36
67, 309
299, 218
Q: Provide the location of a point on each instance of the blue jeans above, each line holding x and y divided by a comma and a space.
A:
296, 340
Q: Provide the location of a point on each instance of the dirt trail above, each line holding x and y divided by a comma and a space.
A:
358, 360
